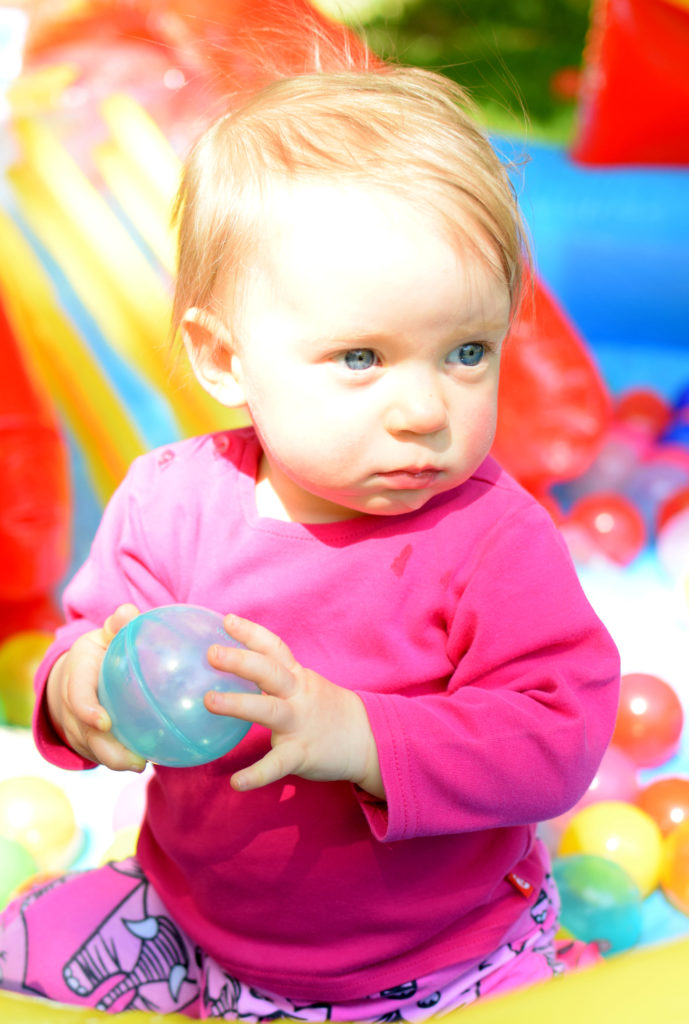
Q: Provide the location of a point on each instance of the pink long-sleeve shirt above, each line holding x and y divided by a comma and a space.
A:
489, 682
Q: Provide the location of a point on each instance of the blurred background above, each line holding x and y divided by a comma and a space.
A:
520, 59
588, 103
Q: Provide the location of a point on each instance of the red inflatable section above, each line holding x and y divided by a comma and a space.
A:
207, 53
634, 103
554, 409
35, 514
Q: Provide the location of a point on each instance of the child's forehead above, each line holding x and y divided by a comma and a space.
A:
317, 204
320, 215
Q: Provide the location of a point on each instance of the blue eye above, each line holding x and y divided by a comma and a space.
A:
359, 359
470, 354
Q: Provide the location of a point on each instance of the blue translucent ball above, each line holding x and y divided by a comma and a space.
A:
600, 902
152, 681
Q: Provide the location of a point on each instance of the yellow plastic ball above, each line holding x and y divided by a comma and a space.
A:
123, 844
20, 656
38, 814
674, 879
621, 833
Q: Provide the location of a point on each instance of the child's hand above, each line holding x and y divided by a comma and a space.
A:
319, 730
72, 696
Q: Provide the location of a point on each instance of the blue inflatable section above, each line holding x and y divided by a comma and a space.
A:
613, 246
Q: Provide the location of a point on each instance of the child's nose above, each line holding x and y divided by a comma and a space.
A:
417, 405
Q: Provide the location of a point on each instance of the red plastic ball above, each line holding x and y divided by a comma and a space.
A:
667, 802
612, 524
672, 506
649, 719
643, 409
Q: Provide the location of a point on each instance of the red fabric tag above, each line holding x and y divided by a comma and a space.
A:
523, 887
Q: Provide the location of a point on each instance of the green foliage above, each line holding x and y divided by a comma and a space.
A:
504, 51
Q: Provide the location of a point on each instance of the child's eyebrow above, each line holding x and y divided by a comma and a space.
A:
369, 339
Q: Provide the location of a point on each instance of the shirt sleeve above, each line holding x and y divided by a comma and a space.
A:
119, 569
519, 732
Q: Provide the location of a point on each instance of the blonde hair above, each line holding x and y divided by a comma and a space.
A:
408, 131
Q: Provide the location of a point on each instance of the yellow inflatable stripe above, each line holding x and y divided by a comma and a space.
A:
107, 270
638, 988
137, 135
140, 202
36, 92
64, 365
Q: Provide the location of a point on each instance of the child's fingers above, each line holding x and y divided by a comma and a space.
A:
270, 675
285, 759
259, 639
272, 712
119, 618
107, 750
83, 699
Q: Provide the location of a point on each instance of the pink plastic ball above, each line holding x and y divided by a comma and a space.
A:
616, 779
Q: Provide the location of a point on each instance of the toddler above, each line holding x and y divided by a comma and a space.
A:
433, 680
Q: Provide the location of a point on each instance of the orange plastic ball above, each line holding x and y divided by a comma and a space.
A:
667, 801
674, 879
649, 720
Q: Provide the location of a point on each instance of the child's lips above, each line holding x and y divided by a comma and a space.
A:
410, 479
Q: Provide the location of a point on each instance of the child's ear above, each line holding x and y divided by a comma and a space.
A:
212, 356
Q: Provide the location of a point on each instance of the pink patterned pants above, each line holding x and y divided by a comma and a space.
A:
103, 939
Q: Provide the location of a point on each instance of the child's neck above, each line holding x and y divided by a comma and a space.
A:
288, 503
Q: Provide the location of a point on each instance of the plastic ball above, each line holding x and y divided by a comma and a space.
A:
600, 902
652, 483
16, 865
20, 656
675, 874
611, 524
643, 409
123, 844
38, 814
672, 545
649, 719
667, 802
617, 457
621, 833
672, 506
152, 681
616, 779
